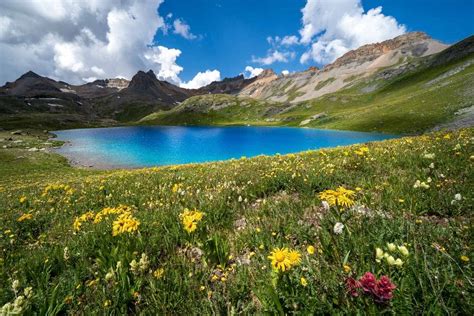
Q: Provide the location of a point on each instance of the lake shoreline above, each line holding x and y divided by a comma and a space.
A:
136, 147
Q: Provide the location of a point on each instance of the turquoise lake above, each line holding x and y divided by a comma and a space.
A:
144, 146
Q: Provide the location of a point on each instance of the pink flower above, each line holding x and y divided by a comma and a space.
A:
352, 286
381, 290
368, 282
384, 289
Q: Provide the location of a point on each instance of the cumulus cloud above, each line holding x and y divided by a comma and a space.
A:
180, 27
285, 72
334, 27
80, 40
202, 79
274, 56
253, 72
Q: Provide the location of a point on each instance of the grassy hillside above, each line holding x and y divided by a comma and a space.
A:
410, 101
217, 109
113, 242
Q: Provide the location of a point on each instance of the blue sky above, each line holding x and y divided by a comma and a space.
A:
230, 32
193, 42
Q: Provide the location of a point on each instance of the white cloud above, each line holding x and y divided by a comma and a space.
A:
285, 72
166, 58
341, 25
289, 40
274, 56
83, 39
181, 28
253, 72
202, 79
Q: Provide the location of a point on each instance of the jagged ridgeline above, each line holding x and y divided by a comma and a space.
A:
408, 84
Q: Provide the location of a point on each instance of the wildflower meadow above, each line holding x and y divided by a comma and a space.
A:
383, 227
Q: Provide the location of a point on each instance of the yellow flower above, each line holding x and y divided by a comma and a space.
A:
190, 219
24, 217
295, 257
77, 224
310, 250
22, 199
339, 197
303, 282
175, 188
280, 259
159, 273
465, 258
125, 223
346, 268
107, 303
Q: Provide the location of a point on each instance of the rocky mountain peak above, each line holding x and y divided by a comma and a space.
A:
151, 73
414, 43
312, 69
29, 74
266, 73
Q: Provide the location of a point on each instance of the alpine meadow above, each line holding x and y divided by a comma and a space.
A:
340, 182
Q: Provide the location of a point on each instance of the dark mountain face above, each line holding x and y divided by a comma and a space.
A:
145, 94
454, 52
144, 86
33, 85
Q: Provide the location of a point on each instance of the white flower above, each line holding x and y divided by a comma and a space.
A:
144, 262
19, 302
15, 286
398, 262
134, 267
325, 205
66, 255
240, 198
338, 227
429, 180
457, 197
28, 292
432, 165
391, 246
417, 184
403, 250
378, 254
429, 156
391, 260
110, 275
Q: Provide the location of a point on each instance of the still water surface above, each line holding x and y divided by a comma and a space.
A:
142, 146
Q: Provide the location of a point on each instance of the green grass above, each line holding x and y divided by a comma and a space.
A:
216, 109
251, 206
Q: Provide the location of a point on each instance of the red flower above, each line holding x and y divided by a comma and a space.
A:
368, 282
353, 286
381, 290
384, 289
